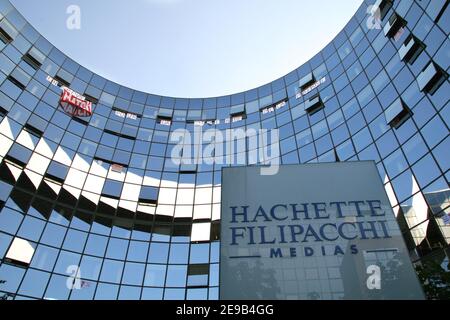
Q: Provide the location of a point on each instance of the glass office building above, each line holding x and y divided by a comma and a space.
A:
92, 207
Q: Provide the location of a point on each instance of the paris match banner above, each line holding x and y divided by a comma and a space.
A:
312, 231
74, 103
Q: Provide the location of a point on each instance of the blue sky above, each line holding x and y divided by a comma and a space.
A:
191, 48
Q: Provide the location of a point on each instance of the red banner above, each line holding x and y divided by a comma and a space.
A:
75, 104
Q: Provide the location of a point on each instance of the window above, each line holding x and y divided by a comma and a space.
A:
237, 113
137, 251
158, 252
96, 245
112, 188
133, 273
176, 276
20, 78
394, 25
7, 31
164, 120
148, 195
106, 291
36, 125
12, 276
53, 235
199, 253
313, 104
152, 294
111, 271
155, 275
198, 274
34, 58
383, 6
64, 77
431, 77
397, 113
21, 252
411, 49
31, 228
273, 107
188, 168
10, 220
74, 240
57, 171
237, 110
44, 258
201, 231
117, 249
65, 260
306, 81
179, 253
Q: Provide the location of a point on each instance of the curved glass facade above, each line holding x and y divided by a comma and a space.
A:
96, 204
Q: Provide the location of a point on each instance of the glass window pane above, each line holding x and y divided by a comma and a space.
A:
133, 273
106, 291
155, 275
34, 283
158, 252
176, 276
111, 271
44, 258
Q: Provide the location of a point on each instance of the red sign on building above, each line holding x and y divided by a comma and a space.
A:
75, 104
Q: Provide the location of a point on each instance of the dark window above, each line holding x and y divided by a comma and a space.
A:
7, 31
431, 77
164, 120
19, 78
397, 113
313, 104
306, 81
188, 168
64, 77
57, 171
394, 25
34, 58
411, 49
237, 110
383, 6
112, 188
19, 154
148, 195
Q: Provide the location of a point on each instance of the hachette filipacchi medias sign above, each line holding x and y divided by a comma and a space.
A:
313, 231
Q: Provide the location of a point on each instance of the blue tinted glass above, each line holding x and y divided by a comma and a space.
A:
75, 240
137, 251
133, 273
44, 258
199, 253
155, 275
179, 253
176, 276
106, 291
111, 271
117, 248
158, 252
10, 220
53, 235
425, 171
